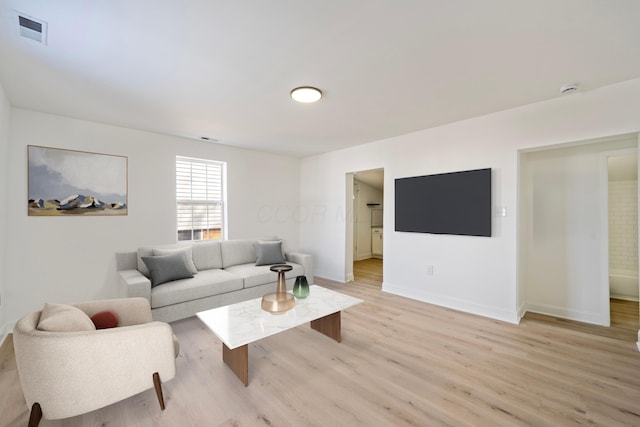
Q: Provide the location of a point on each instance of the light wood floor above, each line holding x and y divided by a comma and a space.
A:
400, 363
368, 271
625, 319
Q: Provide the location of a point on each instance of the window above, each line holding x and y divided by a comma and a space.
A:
200, 188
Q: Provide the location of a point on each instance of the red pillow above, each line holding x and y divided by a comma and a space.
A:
105, 319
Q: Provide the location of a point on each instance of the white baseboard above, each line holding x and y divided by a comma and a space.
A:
362, 257
453, 303
624, 297
323, 275
566, 313
522, 310
5, 331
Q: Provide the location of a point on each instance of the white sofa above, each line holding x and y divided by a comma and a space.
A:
226, 273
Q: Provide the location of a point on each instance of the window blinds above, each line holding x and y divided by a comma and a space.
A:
199, 198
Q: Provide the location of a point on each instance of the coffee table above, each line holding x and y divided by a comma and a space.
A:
238, 325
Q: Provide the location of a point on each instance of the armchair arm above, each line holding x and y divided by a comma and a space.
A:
85, 371
135, 284
130, 311
305, 260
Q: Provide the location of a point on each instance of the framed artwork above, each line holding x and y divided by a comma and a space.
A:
71, 183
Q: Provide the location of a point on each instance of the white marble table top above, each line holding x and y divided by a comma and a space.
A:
246, 322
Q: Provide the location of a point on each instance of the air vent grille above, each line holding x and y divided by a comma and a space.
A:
32, 28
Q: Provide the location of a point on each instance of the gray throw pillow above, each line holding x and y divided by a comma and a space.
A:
186, 253
268, 253
165, 268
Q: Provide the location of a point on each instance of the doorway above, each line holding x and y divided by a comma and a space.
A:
622, 225
365, 258
564, 234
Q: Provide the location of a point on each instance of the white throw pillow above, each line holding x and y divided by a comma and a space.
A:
64, 318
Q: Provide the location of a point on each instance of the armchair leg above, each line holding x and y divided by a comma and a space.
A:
158, 386
36, 415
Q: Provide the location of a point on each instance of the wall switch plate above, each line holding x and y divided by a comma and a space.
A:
430, 270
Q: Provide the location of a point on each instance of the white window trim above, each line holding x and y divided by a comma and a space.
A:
223, 201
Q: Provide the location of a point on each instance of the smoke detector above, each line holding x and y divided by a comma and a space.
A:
32, 28
569, 88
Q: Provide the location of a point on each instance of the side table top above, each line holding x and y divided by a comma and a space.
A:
281, 267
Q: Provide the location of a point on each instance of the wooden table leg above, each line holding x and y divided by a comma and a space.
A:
328, 325
238, 361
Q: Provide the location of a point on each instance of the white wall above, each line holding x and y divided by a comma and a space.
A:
366, 194
473, 274
5, 114
623, 225
68, 259
565, 272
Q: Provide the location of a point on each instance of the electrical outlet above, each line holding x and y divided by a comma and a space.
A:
430, 270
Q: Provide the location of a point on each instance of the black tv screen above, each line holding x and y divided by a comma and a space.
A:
448, 203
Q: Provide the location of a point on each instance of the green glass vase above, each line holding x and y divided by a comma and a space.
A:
301, 287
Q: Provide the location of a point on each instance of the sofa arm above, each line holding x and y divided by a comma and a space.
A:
305, 260
135, 284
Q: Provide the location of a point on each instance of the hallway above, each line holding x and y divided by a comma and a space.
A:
368, 271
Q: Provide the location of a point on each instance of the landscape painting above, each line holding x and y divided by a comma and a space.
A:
71, 183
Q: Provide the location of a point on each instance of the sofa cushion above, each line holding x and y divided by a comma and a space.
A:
166, 268
64, 318
237, 251
204, 284
186, 252
269, 252
253, 275
207, 255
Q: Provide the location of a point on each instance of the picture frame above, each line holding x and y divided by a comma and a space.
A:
65, 182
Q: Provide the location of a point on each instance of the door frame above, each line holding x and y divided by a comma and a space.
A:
604, 230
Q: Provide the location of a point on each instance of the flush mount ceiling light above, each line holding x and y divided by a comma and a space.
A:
306, 94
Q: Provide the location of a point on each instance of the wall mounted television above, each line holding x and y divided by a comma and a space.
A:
449, 203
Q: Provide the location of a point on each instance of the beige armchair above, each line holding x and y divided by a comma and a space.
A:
64, 374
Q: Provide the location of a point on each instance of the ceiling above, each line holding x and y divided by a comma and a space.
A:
373, 177
623, 168
224, 69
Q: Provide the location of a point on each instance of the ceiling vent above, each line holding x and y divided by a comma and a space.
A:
569, 88
32, 28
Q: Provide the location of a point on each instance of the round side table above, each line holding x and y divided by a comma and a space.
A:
279, 301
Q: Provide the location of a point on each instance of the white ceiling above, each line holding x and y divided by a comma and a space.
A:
224, 69
623, 168
374, 178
